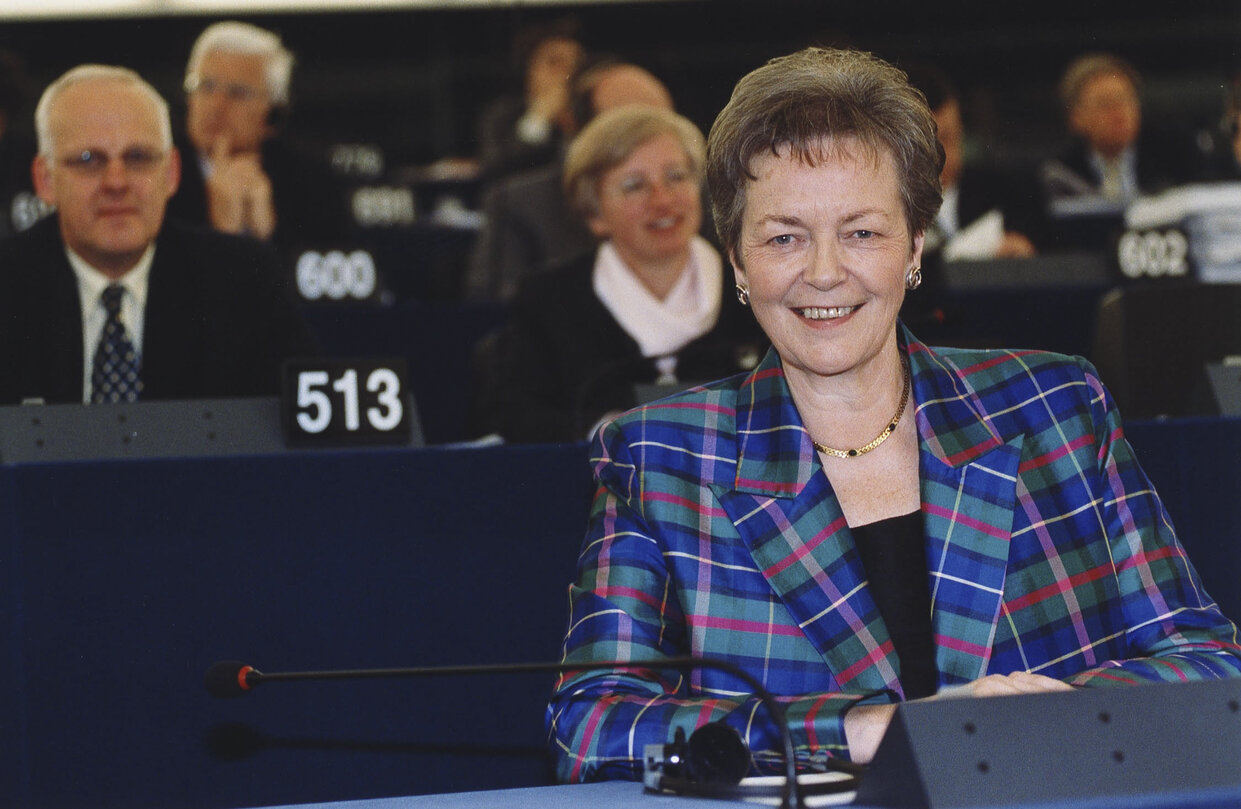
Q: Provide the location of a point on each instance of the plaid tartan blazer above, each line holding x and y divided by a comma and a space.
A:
714, 531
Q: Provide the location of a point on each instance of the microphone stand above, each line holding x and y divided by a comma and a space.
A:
232, 679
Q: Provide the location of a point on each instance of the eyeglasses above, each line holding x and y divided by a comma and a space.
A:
233, 91
640, 185
138, 160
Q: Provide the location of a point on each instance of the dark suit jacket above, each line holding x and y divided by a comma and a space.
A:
1162, 161
18, 204
311, 203
529, 229
218, 319
1014, 192
501, 152
563, 361
1218, 162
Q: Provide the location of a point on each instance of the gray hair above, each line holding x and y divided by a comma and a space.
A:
609, 140
241, 37
797, 102
96, 73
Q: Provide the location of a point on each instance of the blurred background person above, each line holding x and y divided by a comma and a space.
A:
648, 306
1221, 146
529, 129
989, 212
994, 209
528, 224
19, 206
1113, 155
241, 175
108, 300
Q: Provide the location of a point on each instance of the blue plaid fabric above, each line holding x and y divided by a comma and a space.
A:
715, 532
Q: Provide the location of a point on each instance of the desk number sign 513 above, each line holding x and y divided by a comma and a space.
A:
340, 402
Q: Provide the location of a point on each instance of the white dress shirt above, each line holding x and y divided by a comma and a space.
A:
91, 284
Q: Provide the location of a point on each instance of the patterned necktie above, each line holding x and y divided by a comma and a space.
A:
115, 375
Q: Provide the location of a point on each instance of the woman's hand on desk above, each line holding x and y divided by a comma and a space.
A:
864, 728
866, 724
1002, 685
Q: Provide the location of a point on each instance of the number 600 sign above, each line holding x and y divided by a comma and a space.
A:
346, 402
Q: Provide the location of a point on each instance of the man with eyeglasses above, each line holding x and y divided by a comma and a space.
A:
105, 301
240, 175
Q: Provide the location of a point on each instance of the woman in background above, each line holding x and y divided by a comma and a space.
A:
648, 306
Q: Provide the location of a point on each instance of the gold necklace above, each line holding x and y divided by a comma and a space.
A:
883, 436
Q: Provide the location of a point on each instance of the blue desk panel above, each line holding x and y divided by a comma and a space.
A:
1195, 465
123, 581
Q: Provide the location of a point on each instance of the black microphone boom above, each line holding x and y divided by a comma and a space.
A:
232, 678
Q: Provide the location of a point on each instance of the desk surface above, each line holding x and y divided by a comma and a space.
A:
628, 794
607, 795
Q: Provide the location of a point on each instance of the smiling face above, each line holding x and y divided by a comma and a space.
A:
650, 206
111, 207
824, 250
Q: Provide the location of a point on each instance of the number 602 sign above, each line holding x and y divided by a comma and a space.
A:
342, 402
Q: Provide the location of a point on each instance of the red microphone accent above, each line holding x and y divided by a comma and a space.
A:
241, 677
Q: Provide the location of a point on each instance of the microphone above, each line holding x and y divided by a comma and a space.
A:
713, 754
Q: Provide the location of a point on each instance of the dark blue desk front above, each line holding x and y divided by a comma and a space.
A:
1195, 465
122, 581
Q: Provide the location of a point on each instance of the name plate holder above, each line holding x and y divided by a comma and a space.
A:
1224, 379
1161, 745
183, 428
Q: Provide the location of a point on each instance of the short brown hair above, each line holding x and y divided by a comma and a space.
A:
796, 102
611, 138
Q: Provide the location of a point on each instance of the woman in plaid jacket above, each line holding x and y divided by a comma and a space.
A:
861, 519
